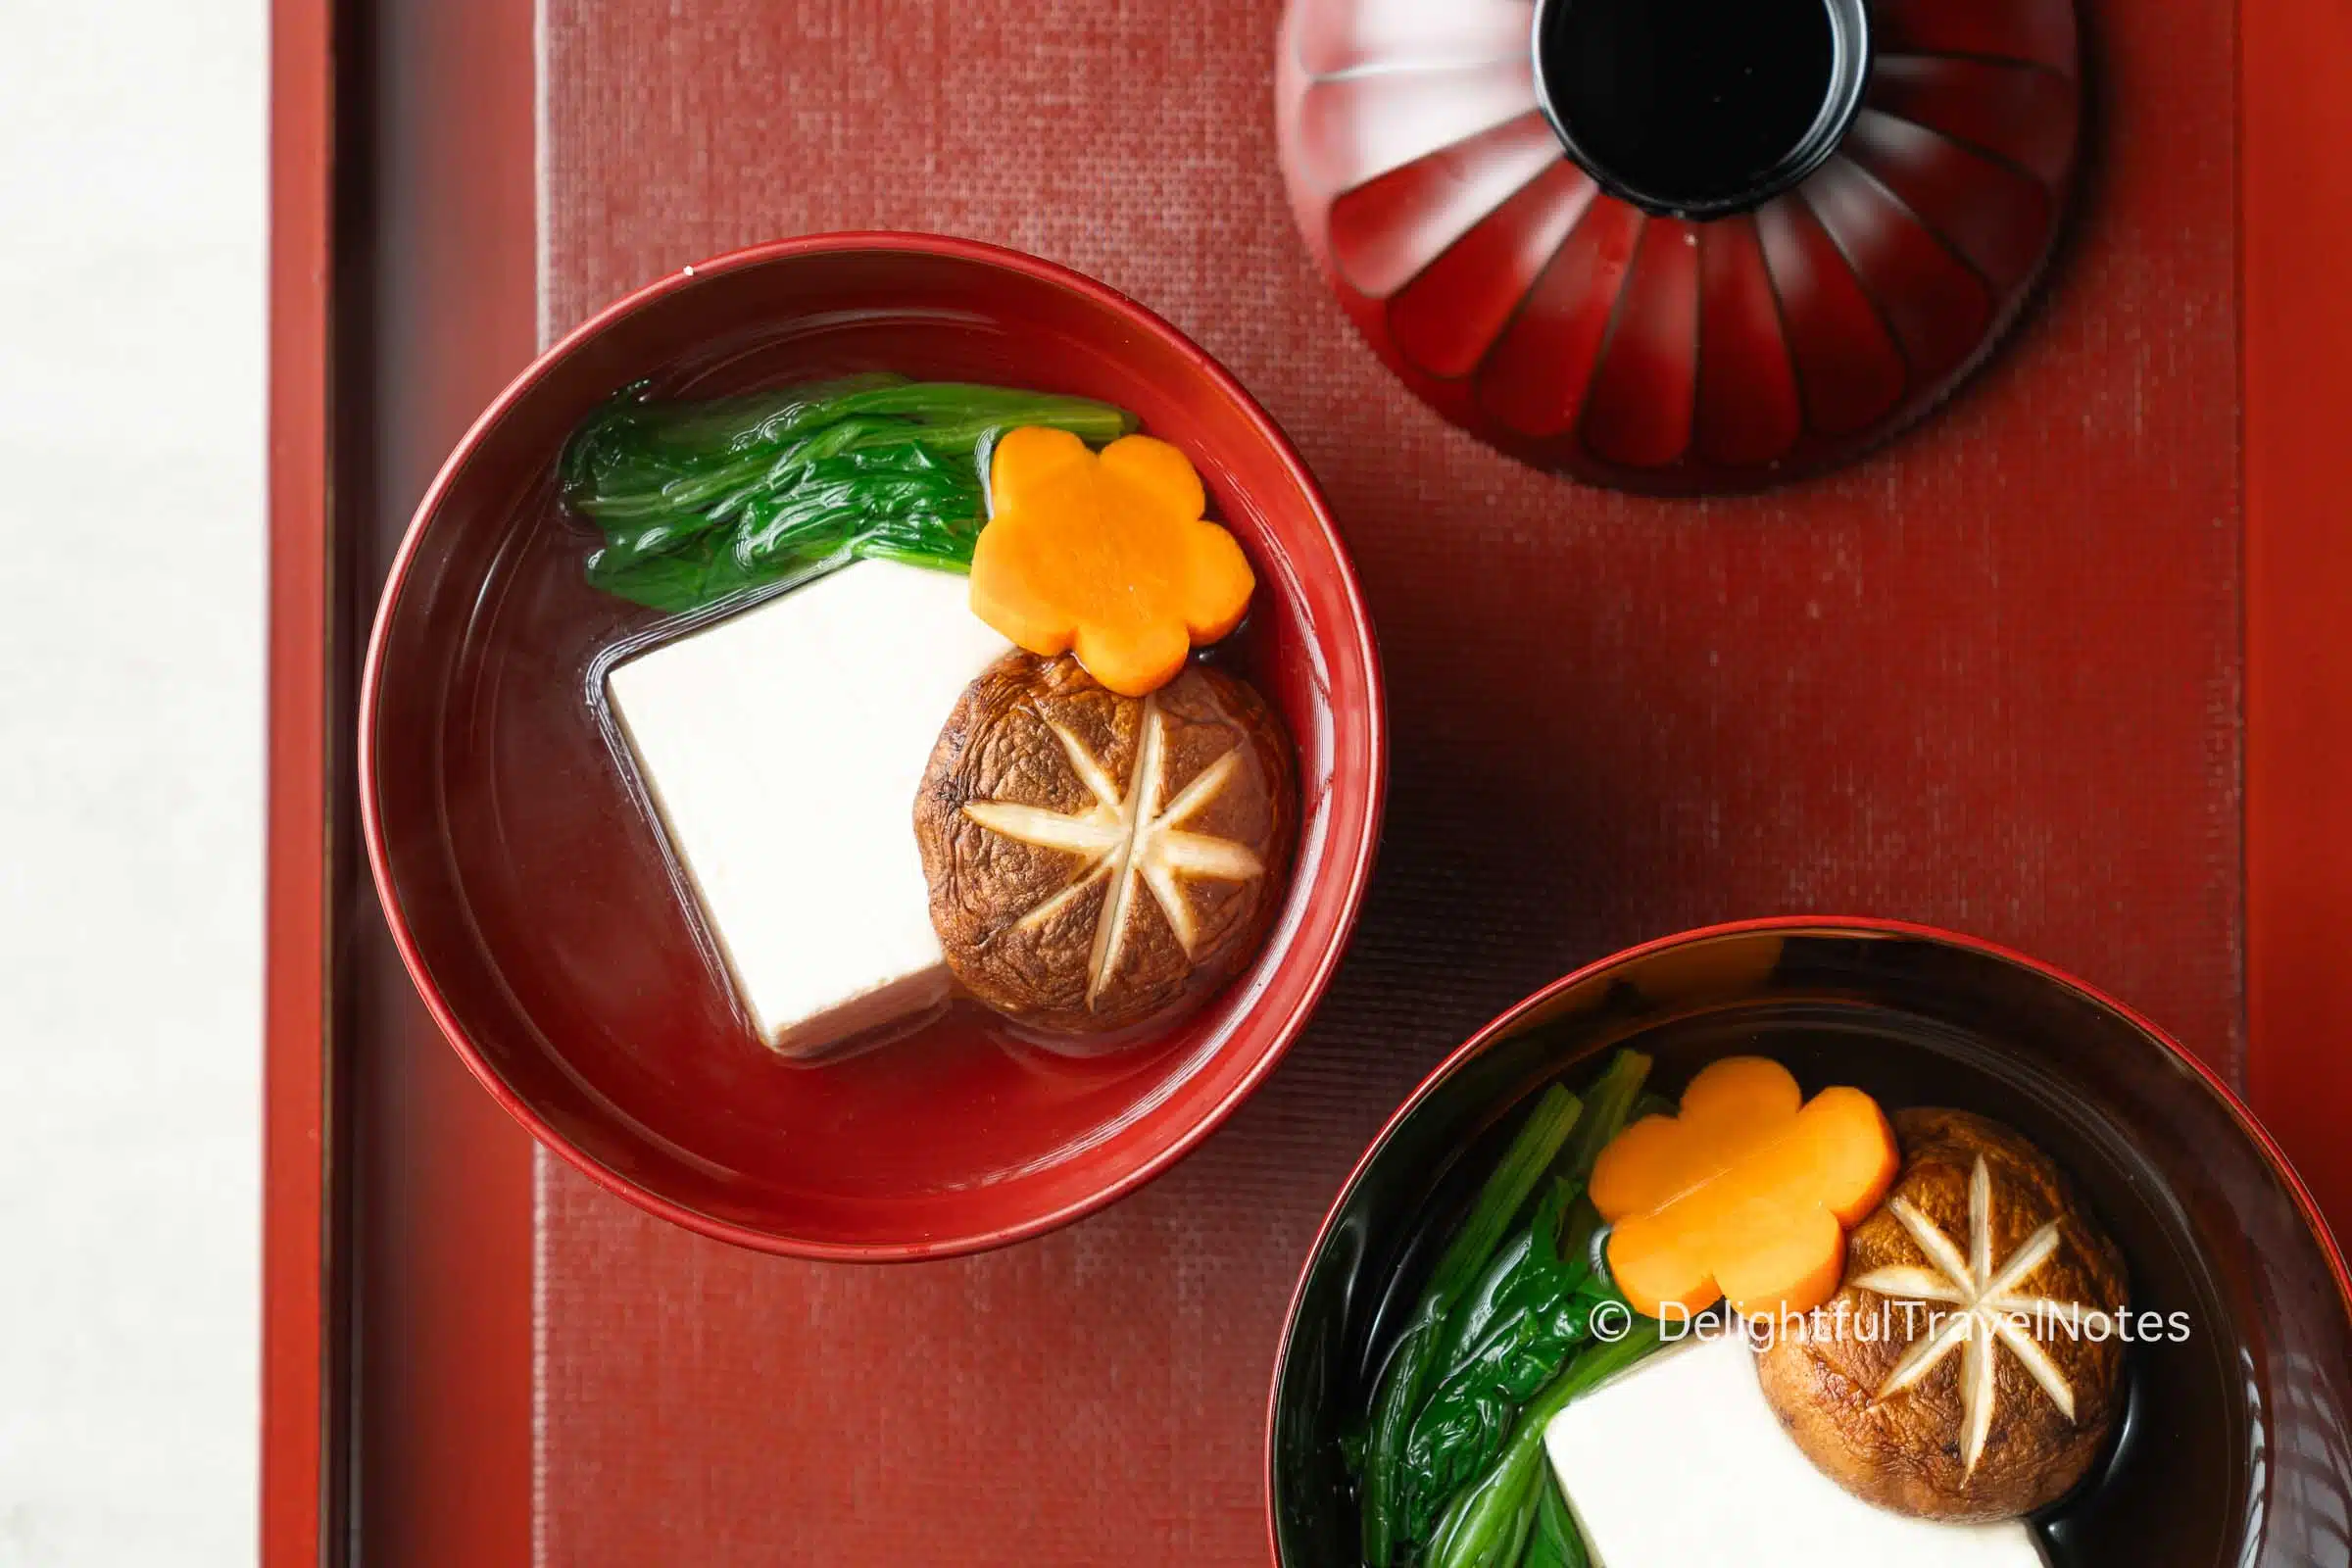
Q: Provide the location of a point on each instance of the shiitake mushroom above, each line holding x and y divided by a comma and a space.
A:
1971, 1367
1097, 861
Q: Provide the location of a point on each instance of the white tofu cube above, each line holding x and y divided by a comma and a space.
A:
1680, 1463
783, 747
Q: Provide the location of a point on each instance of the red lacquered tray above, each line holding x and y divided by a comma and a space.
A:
2055, 668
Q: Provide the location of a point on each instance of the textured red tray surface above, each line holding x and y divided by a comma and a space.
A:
1990, 679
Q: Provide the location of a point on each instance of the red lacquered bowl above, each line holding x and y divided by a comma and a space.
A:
1530, 279
2236, 1446
530, 893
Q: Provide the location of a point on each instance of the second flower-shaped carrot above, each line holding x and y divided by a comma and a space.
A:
1745, 1192
1105, 557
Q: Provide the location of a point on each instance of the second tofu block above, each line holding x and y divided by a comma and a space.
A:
1680, 1463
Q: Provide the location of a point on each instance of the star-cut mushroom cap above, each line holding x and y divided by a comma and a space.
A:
1971, 1367
1989, 1308
1097, 860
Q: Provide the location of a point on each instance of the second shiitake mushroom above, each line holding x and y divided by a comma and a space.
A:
1970, 1368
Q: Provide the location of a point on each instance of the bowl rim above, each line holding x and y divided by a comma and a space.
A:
1353, 862
2330, 1250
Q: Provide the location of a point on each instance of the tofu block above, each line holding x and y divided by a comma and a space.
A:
783, 747
1680, 1462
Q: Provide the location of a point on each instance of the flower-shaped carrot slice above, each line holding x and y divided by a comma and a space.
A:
1745, 1194
1105, 557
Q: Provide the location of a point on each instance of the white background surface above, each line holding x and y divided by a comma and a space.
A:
133, 145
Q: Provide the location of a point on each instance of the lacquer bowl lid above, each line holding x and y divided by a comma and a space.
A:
1659, 342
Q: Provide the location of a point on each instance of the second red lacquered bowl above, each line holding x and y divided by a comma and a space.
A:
1594, 234
2235, 1448
530, 893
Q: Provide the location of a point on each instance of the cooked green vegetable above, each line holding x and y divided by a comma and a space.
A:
1509, 1278
1473, 1355
701, 501
1465, 1421
1497, 1358
1490, 1521
1556, 1542
1608, 1105
1406, 1375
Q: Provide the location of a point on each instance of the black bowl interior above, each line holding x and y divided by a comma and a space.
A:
2234, 1447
